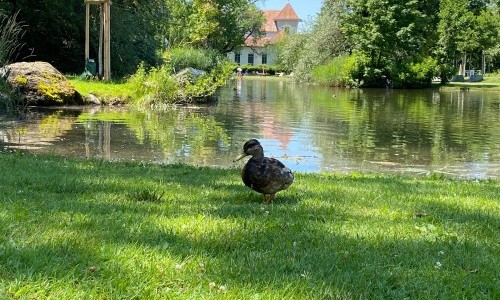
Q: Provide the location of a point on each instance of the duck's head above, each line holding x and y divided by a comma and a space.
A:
252, 147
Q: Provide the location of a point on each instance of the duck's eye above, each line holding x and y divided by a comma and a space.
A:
252, 145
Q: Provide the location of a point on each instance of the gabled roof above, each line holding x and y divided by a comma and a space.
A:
273, 16
270, 24
287, 14
263, 41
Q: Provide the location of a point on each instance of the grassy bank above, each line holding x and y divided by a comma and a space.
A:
491, 82
111, 91
77, 229
106, 91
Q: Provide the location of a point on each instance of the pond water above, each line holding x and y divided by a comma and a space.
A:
309, 128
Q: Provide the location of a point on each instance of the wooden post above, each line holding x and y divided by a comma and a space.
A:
101, 34
87, 29
107, 41
104, 36
483, 63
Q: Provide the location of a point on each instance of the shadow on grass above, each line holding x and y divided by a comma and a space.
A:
325, 237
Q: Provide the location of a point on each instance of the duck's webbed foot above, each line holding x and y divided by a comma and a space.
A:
268, 199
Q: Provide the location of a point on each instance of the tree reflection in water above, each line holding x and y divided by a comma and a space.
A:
311, 128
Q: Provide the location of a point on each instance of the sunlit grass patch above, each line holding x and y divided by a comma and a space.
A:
106, 91
89, 229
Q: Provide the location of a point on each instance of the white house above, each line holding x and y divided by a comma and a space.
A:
256, 50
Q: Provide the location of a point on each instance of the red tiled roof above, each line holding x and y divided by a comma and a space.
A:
263, 41
270, 25
287, 13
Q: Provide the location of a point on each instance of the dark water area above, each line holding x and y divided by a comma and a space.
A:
309, 128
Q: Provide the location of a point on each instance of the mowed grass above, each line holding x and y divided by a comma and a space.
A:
105, 91
491, 82
80, 229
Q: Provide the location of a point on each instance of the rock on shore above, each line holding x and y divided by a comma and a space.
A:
39, 83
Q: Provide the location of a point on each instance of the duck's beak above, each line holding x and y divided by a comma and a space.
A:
240, 157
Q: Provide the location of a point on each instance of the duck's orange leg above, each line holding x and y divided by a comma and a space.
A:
268, 199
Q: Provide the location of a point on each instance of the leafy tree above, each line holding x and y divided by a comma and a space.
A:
493, 53
56, 32
222, 25
303, 51
52, 32
131, 45
393, 33
290, 50
465, 27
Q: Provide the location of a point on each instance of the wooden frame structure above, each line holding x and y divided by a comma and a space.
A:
104, 36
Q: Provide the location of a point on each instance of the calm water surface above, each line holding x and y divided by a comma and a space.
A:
309, 128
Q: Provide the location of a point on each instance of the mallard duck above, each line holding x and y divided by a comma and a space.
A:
263, 174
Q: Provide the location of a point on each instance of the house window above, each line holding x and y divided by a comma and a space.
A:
250, 58
237, 58
264, 59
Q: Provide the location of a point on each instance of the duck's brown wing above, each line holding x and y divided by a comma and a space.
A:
267, 175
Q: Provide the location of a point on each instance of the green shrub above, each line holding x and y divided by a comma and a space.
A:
332, 73
181, 58
342, 71
154, 87
160, 86
205, 86
416, 74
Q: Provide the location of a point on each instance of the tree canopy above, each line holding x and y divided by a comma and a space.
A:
396, 42
379, 40
222, 25
55, 29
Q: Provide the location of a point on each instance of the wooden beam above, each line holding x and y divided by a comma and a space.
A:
96, 1
87, 30
100, 53
104, 36
107, 41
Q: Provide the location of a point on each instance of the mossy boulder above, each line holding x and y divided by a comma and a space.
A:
39, 83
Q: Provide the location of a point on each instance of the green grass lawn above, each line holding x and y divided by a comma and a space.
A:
79, 229
491, 82
106, 91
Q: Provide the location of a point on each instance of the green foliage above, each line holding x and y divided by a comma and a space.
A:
55, 32
302, 52
416, 75
131, 44
221, 25
389, 33
332, 73
154, 86
290, 50
162, 85
180, 58
466, 27
343, 70
204, 88
392, 37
